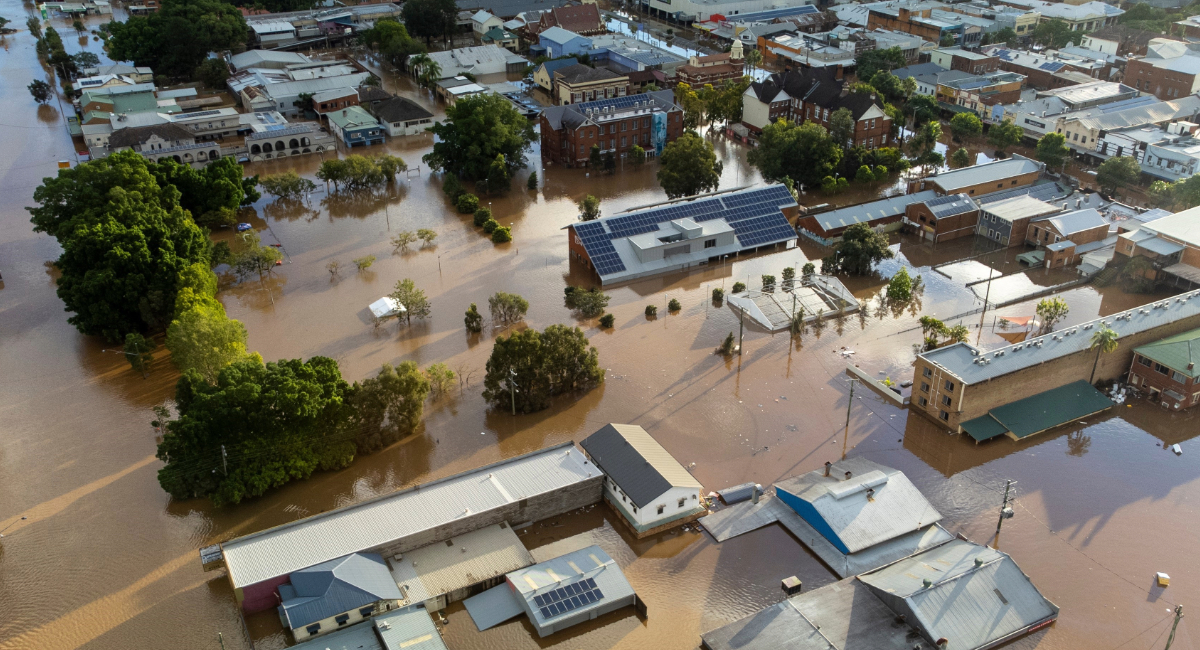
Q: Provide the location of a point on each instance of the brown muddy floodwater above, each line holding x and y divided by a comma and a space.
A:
106, 560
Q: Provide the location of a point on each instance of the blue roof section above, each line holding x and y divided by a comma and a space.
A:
556, 64
340, 585
560, 36
1052, 66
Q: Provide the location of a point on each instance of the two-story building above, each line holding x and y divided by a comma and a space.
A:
355, 127
1172, 246
1169, 70
956, 58
1066, 237
336, 594
401, 116
164, 142
328, 101
579, 83
560, 42
980, 93
978, 180
813, 95
713, 69
650, 121
1166, 370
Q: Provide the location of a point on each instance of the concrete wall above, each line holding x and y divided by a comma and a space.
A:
974, 400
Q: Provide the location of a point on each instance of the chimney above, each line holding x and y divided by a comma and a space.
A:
838, 75
827, 466
870, 494
848, 476
344, 112
1078, 203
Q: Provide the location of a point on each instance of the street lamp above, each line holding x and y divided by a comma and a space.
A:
10, 526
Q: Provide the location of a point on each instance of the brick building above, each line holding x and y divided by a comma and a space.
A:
582, 19
977, 180
1169, 70
960, 382
980, 93
1171, 244
956, 58
1066, 237
1039, 68
1167, 371
335, 100
650, 120
713, 69
813, 95
914, 19
943, 218
579, 83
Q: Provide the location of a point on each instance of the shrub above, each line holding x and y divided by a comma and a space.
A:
531, 184
501, 235
452, 187
726, 346
718, 294
809, 268
364, 263
482, 216
768, 282
651, 311
900, 287
606, 321
881, 173
739, 287
490, 226
674, 305
473, 320
467, 203
589, 303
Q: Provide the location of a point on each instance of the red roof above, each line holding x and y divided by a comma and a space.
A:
581, 19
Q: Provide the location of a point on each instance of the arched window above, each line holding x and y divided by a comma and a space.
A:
279, 145
304, 142
266, 146
255, 149
214, 154
294, 143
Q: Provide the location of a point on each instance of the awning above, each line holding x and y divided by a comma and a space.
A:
492, 607
1185, 271
984, 428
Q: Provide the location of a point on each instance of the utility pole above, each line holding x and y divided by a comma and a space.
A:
987, 294
221, 640
512, 389
1178, 615
741, 327
846, 434
1005, 511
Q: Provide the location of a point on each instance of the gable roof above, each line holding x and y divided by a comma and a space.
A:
580, 73
373, 94
575, 115
557, 64
1077, 221
578, 18
641, 467
987, 172
858, 103
558, 35
1180, 352
339, 585
135, 135
858, 518
811, 84
399, 109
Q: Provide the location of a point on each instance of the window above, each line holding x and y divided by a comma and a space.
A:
924, 387
949, 385
612, 143
922, 401
624, 126
1143, 360
944, 416
926, 372
366, 611
1160, 368
313, 629
682, 502
645, 122
1178, 377
341, 619
624, 140
710, 243
661, 508
945, 400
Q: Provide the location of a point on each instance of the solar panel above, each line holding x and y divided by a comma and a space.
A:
568, 598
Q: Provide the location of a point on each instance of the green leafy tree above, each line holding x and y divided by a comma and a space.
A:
841, 127
1181, 194
803, 152
430, 19
674, 306
475, 131
754, 59
1116, 173
860, 249
441, 378
258, 427
250, 256
213, 72
217, 186
532, 183
542, 365
595, 158
587, 303
589, 208
288, 185
689, 166
467, 203
872, 61
808, 269
1005, 35
1055, 33
41, 91
718, 295
178, 37
507, 307
966, 125
1052, 150
926, 138
607, 320
490, 226
727, 346
1051, 310
415, 303
85, 59
738, 287
389, 166
651, 311
403, 239
1104, 340
1004, 135
909, 86
922, 109
473, 320
498, 178
138, 351
610, 162
363, 263
391, 40
637, 156
388, 407
34, 25
426, 236
205, 340
947, 40
889, 85
864, 175
502, 235
482, 216
900, 286
960, 158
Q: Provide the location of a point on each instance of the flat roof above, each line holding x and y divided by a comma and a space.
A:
363, 526
1020, 207
996, 170
469, 559
973, 365
1037, 413
966, 54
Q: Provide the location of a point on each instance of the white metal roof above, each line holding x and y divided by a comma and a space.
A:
1183, 226
363, 526
387, 306
985, 173
463, 561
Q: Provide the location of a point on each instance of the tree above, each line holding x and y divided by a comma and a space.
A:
1052, 150
651, 311
1051, 310
637, 156
126, 244
413, 299
138, 352
392, 40
426, 70
389, 166
217, 186
288, 185
532, 183
468, 204
889, 85
426, 236
1055, 33
333, 267
607, 320
1181, 194
475, 131
1004, 135
1005, 35
205, 340
388, 407
213, 72
429, 19
1116, 173
257, 427
727, 346
926, 138
498, 178
482, 216
803, 152
589, 208
540, 365
960, 158
864, 175
909, 86
753, 59
674, 306
41, 91
610, 162
921, 109
872, 61
595, 158
587, 302
473, 320
502, 235
363, 263
441, 378
403, 239
34, 25
689, 166
966, 125
178, 37
860, 249
808, 269
490, 226
251, 256
841, 127
947, 40
900, 287
85, 59
1104, 340
507, 307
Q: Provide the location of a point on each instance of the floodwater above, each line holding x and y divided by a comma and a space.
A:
107, 560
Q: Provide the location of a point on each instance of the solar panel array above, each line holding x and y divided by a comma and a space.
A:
1052, 66
754, 216
576, 595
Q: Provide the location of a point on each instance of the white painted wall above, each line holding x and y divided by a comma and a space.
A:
649, 516
754, 112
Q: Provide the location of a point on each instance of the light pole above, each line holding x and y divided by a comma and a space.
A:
10, 526
1005, 511
846, 434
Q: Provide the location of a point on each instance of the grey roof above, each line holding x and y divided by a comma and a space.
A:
591, 562
972, 365
988, 172
399, 109
1182, 226
1142, 115
950, 205
858, 518
580, 73
1060, 245
462, 561
558, 35
977, 596
135, 135
575, 115
1160, 246
409, 628
337, 586
641, 467
292, 128
1048, 192
492, 607
1070, 223
283, 549
867, 212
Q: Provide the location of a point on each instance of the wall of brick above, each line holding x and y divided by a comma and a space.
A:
953, 227
1164, 84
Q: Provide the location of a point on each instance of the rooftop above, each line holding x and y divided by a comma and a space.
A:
868, 212
973, 365
352, 117
642, 468
1180, 352
966, 54
1181, 226
1037, 413
409, 628
544, 586
331, 588
950, 205
459, 562
991, 172
1069, 223
283, 549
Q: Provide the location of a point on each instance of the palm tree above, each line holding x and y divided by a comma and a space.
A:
425, 69
1103, 340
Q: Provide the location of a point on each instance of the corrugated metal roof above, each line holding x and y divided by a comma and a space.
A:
642, 468
1180, 352
986, 173
410, 628
868, 212
281, 550
1051, 408
337, 586
860, 520
977, 595
1182, 226
355, 637
950, 205
963, 360
591, 562
493, 607
1020, 207
462, 561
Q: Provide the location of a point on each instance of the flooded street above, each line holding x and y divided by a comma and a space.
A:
106, 560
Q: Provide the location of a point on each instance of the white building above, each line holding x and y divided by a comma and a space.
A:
482, 21
643, 481
480, 60
401, 116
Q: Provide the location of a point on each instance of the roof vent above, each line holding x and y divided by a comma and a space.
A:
848, 475
978, 562
927, 583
